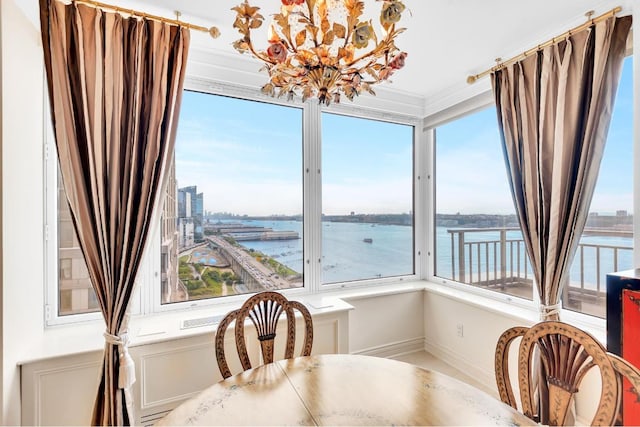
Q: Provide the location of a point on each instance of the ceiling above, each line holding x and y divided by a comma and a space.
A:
446, 39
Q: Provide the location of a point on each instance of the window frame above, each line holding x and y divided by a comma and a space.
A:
147, 297
472, 105
417, 197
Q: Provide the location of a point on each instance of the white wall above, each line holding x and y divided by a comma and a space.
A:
386, 325
22, 198
168, 371
473, 353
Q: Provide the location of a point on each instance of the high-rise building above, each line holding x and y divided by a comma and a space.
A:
172, 290
198, 216
191, 205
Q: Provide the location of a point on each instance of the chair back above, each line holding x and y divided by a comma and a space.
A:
567, 354
264, 310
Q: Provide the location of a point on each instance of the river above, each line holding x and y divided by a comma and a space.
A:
346, 256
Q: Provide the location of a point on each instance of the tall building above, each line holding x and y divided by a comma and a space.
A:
184, 204
172, 291
199, 217
191, 205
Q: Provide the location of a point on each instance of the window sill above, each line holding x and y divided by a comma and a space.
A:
518, 312
87, 337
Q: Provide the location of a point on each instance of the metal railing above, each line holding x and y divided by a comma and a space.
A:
496, 258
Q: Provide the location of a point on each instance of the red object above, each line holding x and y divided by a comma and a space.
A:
630, 352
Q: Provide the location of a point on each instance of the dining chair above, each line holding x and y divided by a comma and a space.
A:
567, 354
264, 310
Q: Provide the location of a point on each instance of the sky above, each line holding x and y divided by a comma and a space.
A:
247, 158
470, 172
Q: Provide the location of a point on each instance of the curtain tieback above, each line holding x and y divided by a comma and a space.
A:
547, 311
127, 373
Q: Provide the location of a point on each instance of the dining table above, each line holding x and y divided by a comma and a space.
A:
343, 389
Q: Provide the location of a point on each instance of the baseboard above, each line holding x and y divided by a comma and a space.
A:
395, 349
486, 378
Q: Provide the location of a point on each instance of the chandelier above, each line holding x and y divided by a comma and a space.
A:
321, 48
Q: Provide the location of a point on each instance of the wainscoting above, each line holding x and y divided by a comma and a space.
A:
61, 390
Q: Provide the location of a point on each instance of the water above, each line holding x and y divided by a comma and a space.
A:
346, 256
287, 252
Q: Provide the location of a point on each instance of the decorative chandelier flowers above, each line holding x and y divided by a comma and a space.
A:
317, 47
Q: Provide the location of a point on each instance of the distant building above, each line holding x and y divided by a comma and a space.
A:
198, 217
191, 205
184, 204
185, 232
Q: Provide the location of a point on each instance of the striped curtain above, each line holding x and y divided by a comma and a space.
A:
554, 110
115, 85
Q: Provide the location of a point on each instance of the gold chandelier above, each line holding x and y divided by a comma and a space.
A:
318, 47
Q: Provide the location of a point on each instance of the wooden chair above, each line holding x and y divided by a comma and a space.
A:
264, 310
567, 354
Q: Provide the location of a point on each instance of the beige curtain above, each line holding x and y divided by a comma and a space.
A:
115, 85
554, 110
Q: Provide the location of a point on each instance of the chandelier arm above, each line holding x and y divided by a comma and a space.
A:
385, 42
365, 56
258, 54
347, 37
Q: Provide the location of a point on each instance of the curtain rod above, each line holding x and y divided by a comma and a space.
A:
501, 64
213, 31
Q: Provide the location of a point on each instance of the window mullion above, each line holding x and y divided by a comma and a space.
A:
312, 197
425, 212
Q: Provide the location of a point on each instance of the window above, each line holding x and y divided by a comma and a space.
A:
75, 292
233, 213
477, 236
606, 245
367, 199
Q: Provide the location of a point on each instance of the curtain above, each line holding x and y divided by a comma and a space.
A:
115, 86
554, 110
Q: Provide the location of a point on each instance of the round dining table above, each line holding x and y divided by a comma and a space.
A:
341, 389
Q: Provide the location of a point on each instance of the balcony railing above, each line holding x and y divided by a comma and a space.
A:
495, 258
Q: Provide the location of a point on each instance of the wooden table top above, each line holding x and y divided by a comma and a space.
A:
341, 389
